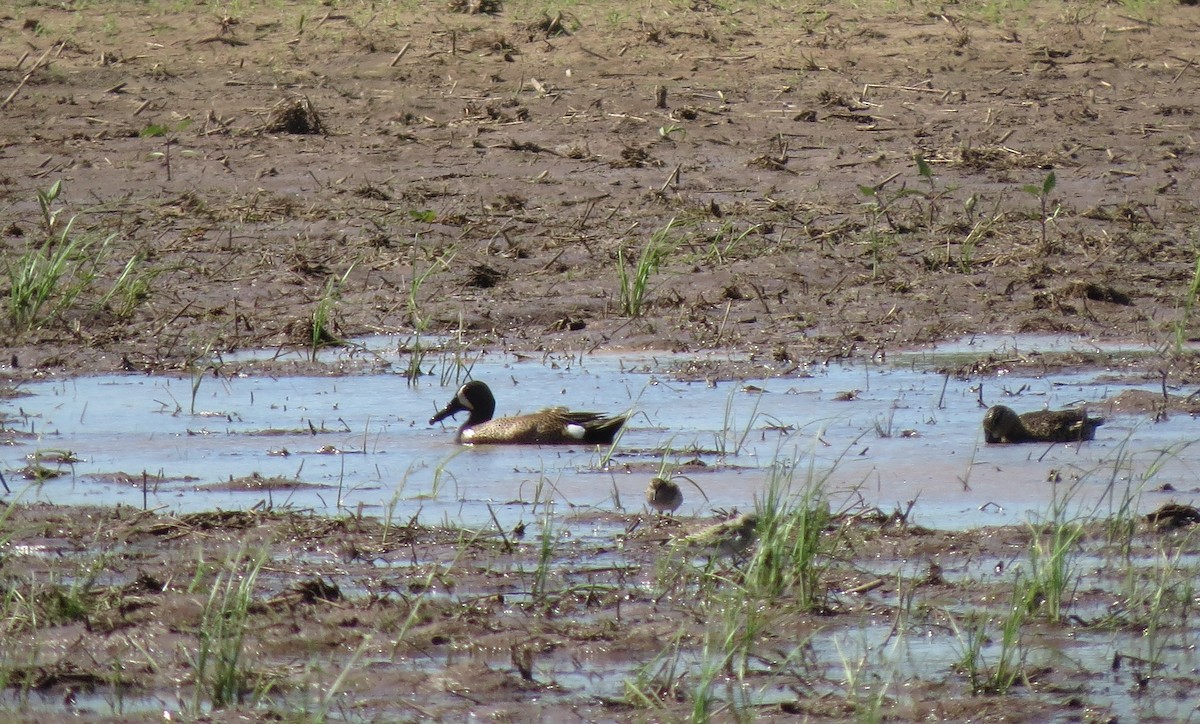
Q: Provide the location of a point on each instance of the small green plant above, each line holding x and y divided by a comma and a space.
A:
865, 686
661, 678
719, 252
790, 557
50, 214
158, 130
633, 288
321, 332
933, 195
980, 228
130, 289
456, 363
668, 133
1046, 215
732, 437
420, 323
1189, 306
725, 653
547, 543
878, 241
200, 365
926, 205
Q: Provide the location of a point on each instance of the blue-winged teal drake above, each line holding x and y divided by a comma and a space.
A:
552, 426
663, 496
1001, 424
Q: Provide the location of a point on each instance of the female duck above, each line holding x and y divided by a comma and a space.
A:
1002, 424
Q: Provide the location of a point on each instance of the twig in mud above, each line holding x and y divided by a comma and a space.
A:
724, 319
593, 53
40, 62
398, 56
865, 588
906, 88
1182, 71
761, 297
508, 546
672, 179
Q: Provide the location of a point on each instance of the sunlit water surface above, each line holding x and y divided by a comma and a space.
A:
877, 433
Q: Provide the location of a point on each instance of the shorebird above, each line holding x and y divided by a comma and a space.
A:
663, 496
730, 538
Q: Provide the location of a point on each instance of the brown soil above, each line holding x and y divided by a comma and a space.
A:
428, 623
485, 172
407, 169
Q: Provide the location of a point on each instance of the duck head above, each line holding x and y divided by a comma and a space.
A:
473, 398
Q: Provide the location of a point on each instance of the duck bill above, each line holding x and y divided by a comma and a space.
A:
452, 408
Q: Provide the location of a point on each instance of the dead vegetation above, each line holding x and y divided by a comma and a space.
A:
295, 116
449, 611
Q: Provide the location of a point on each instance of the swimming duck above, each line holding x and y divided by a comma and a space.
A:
664, 496
554, 425
1001, 424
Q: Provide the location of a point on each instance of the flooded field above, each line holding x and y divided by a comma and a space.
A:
936, 564
880, 433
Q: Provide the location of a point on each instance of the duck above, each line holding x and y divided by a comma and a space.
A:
663, 496
1002, 425
551, 426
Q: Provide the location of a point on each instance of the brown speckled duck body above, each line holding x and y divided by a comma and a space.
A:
552, 426
1002, 425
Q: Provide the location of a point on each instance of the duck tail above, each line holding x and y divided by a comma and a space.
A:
604, 429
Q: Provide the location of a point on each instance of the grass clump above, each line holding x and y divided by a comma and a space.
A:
54, 270
420, 321
633, 287
222, 678
1054, 544
60, 266
1008, 666
791, 555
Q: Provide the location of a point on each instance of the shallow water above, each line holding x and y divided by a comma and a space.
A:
910, 433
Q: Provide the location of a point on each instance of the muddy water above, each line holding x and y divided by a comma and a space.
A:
878, 433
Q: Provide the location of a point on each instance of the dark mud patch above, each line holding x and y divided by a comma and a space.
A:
1144, 402
257, 482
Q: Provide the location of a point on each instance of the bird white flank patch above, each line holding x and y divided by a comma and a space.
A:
575, 431
468, 434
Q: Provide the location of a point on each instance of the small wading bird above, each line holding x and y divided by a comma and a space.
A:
664, 495
731, 538
1002, 424
552, 426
